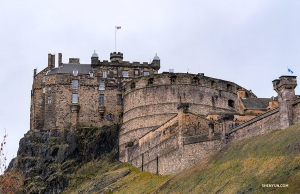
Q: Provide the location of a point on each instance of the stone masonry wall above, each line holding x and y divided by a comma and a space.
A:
296, 112
148, 105
261, 124
163, 150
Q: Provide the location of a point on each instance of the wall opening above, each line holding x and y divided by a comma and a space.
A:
229, 87
231, 103
213, 84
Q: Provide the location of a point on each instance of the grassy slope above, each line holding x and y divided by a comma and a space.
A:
241, 167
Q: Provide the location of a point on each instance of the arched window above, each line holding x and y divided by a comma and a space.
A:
75, 72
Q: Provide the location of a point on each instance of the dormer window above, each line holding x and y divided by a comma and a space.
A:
146, 73
91, 73
101, 86
75, 72
104, 74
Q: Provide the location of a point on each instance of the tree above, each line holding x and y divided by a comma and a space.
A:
3, 154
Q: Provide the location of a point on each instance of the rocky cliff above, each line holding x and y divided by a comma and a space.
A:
47, 160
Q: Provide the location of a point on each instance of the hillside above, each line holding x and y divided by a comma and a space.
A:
241, 167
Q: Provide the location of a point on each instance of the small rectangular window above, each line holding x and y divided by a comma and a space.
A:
101, 86
125, 73
101, 99
146, 73
74, 98
75, 84
49, 88
104, 74
119, 99
44, 90
44, 79
49, 99
136, 72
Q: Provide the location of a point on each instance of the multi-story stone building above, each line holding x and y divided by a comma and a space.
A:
169, 121
84, 94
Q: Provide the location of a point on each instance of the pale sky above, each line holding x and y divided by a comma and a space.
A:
249, 42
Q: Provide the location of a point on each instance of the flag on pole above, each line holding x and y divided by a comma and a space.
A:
290, 71
118, 27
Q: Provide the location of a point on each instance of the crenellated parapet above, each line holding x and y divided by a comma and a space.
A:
167, 78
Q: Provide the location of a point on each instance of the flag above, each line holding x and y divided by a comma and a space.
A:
118, 27
290, 71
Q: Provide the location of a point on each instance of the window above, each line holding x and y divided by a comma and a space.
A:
229, 87
101, 86
110, 117
213, 84
231, 103
125, 73
75, 84
40, 101
146, 73
49, 88
132, 85
74, 98
101, 99
44, 79
75, 72
91, 73
119, 99
104, 74
150, 81
49, 99
44, 90
136, 72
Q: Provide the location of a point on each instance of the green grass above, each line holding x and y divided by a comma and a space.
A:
240, 167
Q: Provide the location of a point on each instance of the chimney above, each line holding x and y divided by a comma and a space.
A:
59, 59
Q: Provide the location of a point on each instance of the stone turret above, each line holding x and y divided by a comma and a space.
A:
94, 58
116, 57
285, 87
156, 62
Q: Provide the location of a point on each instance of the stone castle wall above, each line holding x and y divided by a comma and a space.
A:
152, 100
261, 124
169, 149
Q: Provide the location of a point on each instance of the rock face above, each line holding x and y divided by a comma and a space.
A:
47, 160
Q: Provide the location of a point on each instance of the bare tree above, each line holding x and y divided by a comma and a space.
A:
3, 158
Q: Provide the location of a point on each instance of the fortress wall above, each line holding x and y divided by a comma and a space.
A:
296, 112
261, 124
163, 150
193, 153
198, 125
151, 105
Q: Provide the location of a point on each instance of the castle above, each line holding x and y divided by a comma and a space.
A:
169, 121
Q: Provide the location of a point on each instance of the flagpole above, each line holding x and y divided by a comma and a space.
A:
115, 39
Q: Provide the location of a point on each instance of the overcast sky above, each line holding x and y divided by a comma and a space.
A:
248, 42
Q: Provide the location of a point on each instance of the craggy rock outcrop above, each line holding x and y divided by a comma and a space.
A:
47, 160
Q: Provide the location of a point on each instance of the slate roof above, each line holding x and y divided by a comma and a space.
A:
68, 69
256, 103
